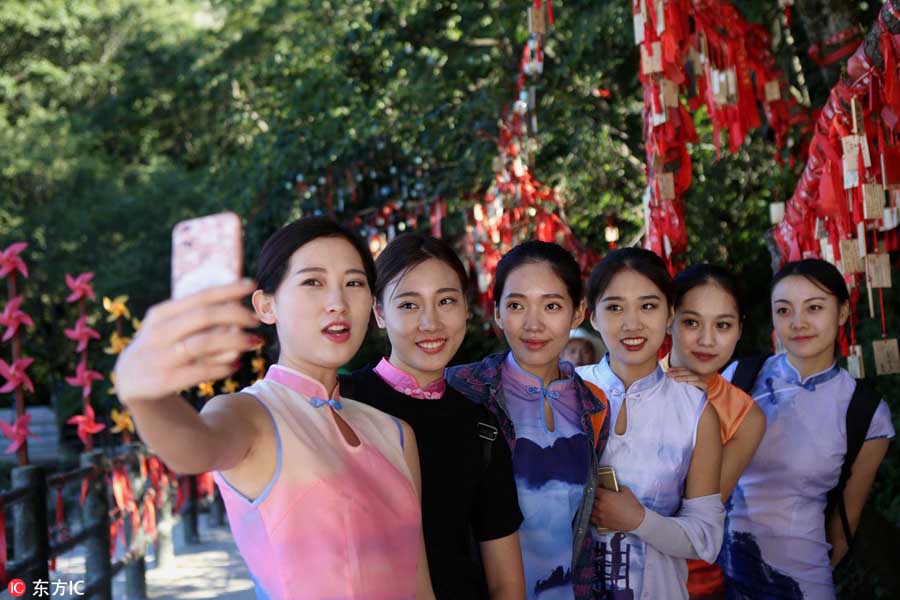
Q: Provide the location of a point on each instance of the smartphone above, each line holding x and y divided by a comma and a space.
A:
607, 481
206, 252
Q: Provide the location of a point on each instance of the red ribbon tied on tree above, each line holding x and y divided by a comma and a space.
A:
15, 375
80, 286
82, 333
86, 424
13, 317
83, 378
10, 261
16, 433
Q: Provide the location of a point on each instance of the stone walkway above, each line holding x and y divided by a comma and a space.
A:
211, 569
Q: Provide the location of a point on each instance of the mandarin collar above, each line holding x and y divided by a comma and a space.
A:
516, 373
406, 384
300, 382
792, 375
610, 381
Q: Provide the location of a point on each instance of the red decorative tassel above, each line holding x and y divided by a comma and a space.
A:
84, 488
891, 76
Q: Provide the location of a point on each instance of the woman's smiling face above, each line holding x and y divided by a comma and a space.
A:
706, 328
632, 314
424, 312
536, 313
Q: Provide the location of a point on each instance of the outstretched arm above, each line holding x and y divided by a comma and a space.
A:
182, 343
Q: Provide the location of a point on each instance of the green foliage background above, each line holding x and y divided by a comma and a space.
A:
120, 117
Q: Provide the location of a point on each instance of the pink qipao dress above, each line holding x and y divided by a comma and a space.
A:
336, 521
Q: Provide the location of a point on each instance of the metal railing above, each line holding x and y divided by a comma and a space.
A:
120, 491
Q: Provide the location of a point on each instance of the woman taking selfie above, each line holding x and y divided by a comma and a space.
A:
545, 414
709, 315
321, 492
779, 536
468, 490
664, 441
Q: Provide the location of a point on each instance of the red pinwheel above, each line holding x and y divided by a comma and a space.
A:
16, 433
10, 261
82, 333
12, 317
15, 375
83, 378
87, 426
80, 286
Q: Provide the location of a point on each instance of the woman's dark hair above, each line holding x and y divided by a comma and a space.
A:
698, 275
820, 272
560, 260
638, 260
409, 250
276, 252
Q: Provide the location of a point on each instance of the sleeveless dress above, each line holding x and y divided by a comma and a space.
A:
335, 521
652, 458
775, 543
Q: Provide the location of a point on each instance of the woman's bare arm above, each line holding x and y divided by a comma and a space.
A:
865, 467
739, 450
182, 343
503, 568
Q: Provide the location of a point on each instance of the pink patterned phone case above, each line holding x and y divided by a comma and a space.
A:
206, 252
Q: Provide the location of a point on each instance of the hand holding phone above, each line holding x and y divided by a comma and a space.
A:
200, 333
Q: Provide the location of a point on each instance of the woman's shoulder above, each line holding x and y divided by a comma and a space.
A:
722, 392
474, 379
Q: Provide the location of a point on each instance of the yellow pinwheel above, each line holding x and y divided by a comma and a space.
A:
122, 421
258, 363
117, 343
206, 389
116, 308
112, 388
230, 386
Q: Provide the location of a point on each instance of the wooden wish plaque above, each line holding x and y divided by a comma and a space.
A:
851, 261
666, 186
873, 201
887, 357
537, 20
879, 269
651, 59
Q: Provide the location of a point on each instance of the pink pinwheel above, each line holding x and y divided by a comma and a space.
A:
82, 333
15, 375
80, 286
83, 378
12, 318
10, 261
16, 433
86, 424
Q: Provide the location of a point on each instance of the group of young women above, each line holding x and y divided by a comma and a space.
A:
409, 479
